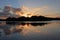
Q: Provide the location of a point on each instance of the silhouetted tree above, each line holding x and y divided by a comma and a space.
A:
33, 18
11, 19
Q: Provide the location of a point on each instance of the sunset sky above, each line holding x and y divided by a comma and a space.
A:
50, 8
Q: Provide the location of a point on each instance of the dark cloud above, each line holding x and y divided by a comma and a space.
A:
9, 11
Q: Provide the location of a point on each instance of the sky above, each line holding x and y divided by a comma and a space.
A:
49, 8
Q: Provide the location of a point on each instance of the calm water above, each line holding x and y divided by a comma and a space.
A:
47, 30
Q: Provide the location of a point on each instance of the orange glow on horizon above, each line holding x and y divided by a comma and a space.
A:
27, 13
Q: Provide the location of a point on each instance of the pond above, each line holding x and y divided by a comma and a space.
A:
45, 30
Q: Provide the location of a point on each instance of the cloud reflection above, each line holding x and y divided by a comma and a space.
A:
23, 28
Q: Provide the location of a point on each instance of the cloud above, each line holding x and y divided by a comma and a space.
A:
28, 12
49, 12
8, 11
32, 11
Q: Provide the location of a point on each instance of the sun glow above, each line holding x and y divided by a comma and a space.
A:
29, 12
26, 12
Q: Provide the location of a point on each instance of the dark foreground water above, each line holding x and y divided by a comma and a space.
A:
45, 30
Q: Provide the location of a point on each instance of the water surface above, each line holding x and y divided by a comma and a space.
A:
44, 30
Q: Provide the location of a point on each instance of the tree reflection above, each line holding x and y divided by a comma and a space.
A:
23, 23
15, 27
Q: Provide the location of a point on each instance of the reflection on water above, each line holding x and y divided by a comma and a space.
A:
30, 31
